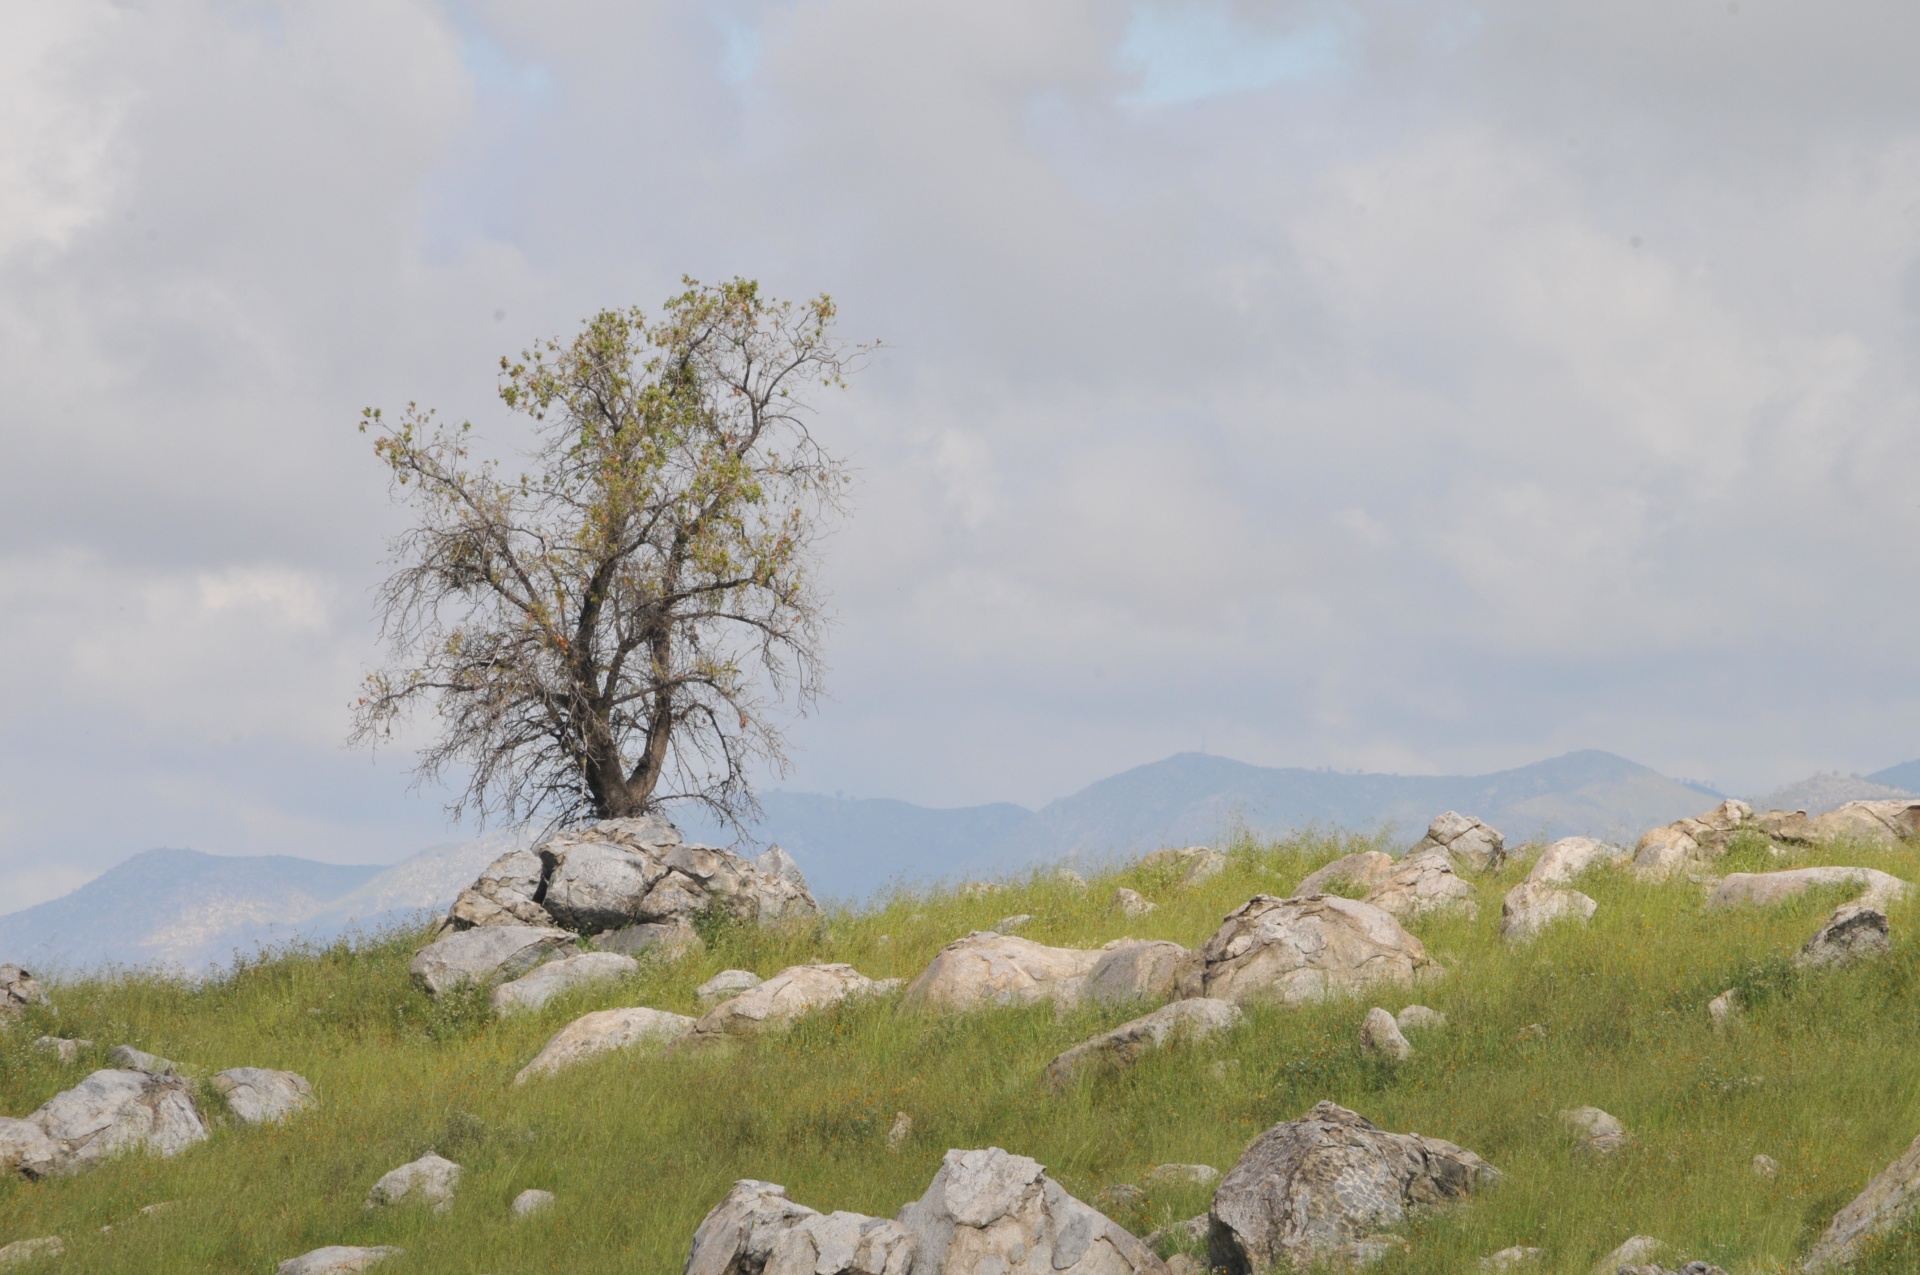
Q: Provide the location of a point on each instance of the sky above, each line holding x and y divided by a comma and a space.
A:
1406, 385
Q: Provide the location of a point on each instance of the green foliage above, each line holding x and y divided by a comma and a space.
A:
1822, 1073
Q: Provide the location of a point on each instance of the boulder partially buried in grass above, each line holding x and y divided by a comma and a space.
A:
757, 1230
794, 991
487, 955
602, 1032
1766, 889
110, 1112
985, 969
1183, 1020
1889, 1202
1136, 970
1304, 949
544, 982
258, 1095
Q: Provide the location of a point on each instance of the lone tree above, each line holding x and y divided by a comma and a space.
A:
610, 630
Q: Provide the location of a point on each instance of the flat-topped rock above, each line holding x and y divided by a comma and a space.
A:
1424, 883
985, 969
111, 1112
1765, 889
1193, 1019
1136, 970
487, 955
544, 982
602, 1032
338, 1259
1303, 949
430, 1180
257, 1095
1356, 872
531, 1201
794, 991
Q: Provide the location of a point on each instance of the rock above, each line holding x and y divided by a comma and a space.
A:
1195, 864
1855, 932
544, 982
1380, 1037
131, 1059
775, 862
503, 894
1765, 889
1508, 1258
794, 991
18, 989
67, 1051
999, 969
1193, 1019
1787, 825
1533, 1031
1302, 949
1419, 1018
1136, 970
1306, 1190
430, 1180
988, 1211
257, 1095
1121, 1197
1882, 823
1725, 1009
1600, 1133
981, 889
1177, 1175
901, 1130
602, 1031
1361, 872
1131, 903
1637, 1249
656, 940
841, 1244
487, 955
1531, 907
1424, 883
1691, 843
337, 1259
1069, 878
1886, 1204
1764, 1166
1562, 862
726, 985
111, 1111
1371, 1249
1009, 924
1185, 1264
530, 1201
737, 1235
1470, 844
1191, 1231
20, 1252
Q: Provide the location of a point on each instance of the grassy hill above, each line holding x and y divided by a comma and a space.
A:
1824, 1076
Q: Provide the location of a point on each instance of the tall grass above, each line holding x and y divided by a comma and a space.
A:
1823, 1074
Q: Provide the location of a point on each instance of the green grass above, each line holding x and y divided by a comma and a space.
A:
1823, 1075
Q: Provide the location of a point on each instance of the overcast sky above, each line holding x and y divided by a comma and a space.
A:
1411, 386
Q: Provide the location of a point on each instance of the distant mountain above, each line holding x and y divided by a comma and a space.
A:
1905, 777
1820, 793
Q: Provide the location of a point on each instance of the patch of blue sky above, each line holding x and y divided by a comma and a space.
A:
1192, 50
492, 68
739, 45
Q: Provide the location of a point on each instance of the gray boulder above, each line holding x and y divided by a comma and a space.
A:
530, 1201
1131, 903
338, 1259
430, 1180
1418, 1018
67, 1051
110, 1112
1600, 1133
25, 1148
987, 1210
1303, 949
776, 1003
1469, 843
1311, 1190
1887, 1203
257, 1095
1855, 932
18, 989
1380, 1037
1136, 970
985, 969
1193, 1019
1636, 1250
505, 893
1882, 823
655, 940
487, 955
20, 1252
1766, 889
1689, 844
1195, 864
1423, 883
1565, 860
1176, 1175
1532, 906
737, 1235
842, 1244
1360, 872
544, 982
601, 1032
131, 1059
726, 985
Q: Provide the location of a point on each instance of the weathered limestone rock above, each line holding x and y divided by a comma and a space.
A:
1471, 844
20, 1252
1881, 823
486, 955
737, 1235
1562, 862
1183, 1020
602, 1031
1888, 1201
1600, 1133
1175, 1175
1765, 889
530, 1201
338, 1259
1136, 970
1764, 1167
987, 1210
1855, 932
1380, 1037
1196, 864
796, 990
1302, 949
131, 1059
544, 982
111, 1111
505, 893
1687, 844
1787, 825
257, 1095
655, 940
1531, 907
67, 1051
726, 985
18, 989
1357, 872
1508, 1258
1308, 1190
1419, 1018
430, 1180
1131, 903
1424, 883
985, 968
1635, 1250
757, 1230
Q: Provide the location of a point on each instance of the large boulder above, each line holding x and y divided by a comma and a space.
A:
1423, 883
258, 1095
1881, 823
1195, 864
507, 892
602, 1031
1357, 872
737, 1235
1136, 970
1855, 932
1562, 862
1193, 1019
987, 1210
18, 989
1472, 845
794, 991
430, 1180
757, 1230
1765, 889
111, 1111
1532, 906
1887, 1203
338, 1259
41, 1248
544, 982
1310, 1190
1302, 949
1690, 844
487, 955
985, 968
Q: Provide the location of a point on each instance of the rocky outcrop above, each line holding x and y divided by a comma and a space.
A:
659, 941
985, 969
1687, 845
757, 1230
601, 1032
110, 1112
338, 1259
1303, 949
430, 1180
1310, 1190
257, 1095
1423, 883
1855, 932
18, 989
794, 991
1183, 1020
1469, 843
1888, 1202
1562, 862
1355, 872
1881, 823
544, 982
1136, 970
487, 955
1531, 907
621, 873
1380, 1037
737, 1235
1765, 889
987, 1210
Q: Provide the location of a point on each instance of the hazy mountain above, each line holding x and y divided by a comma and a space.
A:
1817, 794
1905, 777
